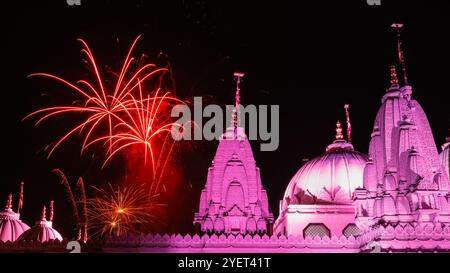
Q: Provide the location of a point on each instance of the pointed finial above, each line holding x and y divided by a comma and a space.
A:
339, 135
20, 204
401, 58
349, 124
394, 78
44, 212
236, 114
51, 210
9, 202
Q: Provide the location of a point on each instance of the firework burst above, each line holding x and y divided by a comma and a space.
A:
144, 119
120, 211
128, 119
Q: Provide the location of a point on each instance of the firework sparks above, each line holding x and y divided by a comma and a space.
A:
120, 211
115, 108
81, 196
144, 120
70, 195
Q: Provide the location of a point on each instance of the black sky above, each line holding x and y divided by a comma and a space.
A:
308, 58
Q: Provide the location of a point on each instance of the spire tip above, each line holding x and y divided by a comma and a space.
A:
394, 78
349, 124
51, 210
9, 202
339, 135
44, 212
397, 27
236, 114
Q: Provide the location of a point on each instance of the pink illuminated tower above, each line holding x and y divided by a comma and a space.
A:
234, 200
405, 186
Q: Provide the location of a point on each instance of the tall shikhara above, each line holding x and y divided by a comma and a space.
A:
234, 200
405, 187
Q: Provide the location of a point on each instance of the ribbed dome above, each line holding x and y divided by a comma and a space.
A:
42, 231
11, 227
328, 179
445, 156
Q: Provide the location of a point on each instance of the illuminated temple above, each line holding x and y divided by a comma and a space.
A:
234, 200
12, 229
395, 198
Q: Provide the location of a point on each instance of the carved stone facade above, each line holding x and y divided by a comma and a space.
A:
234, 200
404, 182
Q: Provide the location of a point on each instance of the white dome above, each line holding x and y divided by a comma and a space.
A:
329, 178
11, 227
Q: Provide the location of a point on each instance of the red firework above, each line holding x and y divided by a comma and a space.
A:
128, 119
143, 120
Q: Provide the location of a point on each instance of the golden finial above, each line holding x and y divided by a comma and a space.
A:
9, 202
51, 210
44, 212
394, 78
339, 135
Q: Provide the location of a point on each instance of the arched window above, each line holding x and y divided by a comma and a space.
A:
317, 229
351, 230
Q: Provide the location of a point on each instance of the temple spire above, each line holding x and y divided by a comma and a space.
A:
349, 124
9, 202
20, 204
51, 210
401, 58
236, 114
394, 78
44, 212
339, 135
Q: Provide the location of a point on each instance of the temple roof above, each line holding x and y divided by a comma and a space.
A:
11, 227
329, 178
42, 231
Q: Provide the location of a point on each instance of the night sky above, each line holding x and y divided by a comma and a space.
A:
310, 59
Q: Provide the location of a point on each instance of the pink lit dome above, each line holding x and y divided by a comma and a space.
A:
329, 178
42, 231
11, 227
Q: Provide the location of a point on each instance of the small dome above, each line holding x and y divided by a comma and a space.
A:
329, 178
42, 231
445, 156
11, 227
